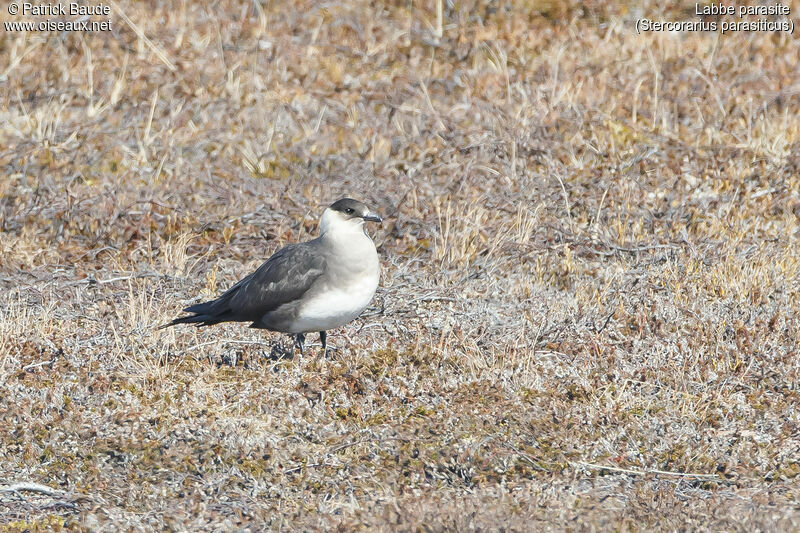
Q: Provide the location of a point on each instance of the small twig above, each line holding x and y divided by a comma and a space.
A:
608, 318
153, 47
61, 504
642, 472
32, 487
566, 200
34, 365
91, 280
126, 278
430, 106
298, 468
638, 249
433, 299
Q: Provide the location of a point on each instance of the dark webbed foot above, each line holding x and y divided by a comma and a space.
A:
298, 342
323, 338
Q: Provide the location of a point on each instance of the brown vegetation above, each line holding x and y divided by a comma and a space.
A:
588, 312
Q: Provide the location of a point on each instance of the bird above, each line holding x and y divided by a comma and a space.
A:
305, 287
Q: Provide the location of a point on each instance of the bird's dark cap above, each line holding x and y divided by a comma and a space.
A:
353, 208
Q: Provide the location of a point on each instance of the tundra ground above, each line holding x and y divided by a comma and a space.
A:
588, 313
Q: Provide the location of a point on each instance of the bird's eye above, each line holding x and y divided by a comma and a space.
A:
349, 211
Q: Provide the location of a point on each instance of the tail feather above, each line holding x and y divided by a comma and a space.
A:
199, 320
204, 314
204, 308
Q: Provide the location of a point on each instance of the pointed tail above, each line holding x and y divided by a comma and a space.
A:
199, 320
202, 315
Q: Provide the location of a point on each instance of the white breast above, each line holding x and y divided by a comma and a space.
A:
335, 307
346, 289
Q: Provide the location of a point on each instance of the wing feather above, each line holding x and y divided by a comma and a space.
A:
283, 278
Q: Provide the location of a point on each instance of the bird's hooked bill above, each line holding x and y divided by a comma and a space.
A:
372, 217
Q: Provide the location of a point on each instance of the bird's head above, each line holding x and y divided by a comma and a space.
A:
346, 214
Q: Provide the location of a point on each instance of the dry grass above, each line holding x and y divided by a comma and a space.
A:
588, 314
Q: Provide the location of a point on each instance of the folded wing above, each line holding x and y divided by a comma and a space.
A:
282, 279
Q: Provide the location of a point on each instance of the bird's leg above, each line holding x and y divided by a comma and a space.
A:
299, 340
323, 338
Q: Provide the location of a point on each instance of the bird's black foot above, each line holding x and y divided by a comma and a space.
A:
298, 342
323, 338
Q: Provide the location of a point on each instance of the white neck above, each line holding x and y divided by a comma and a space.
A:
334, 224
